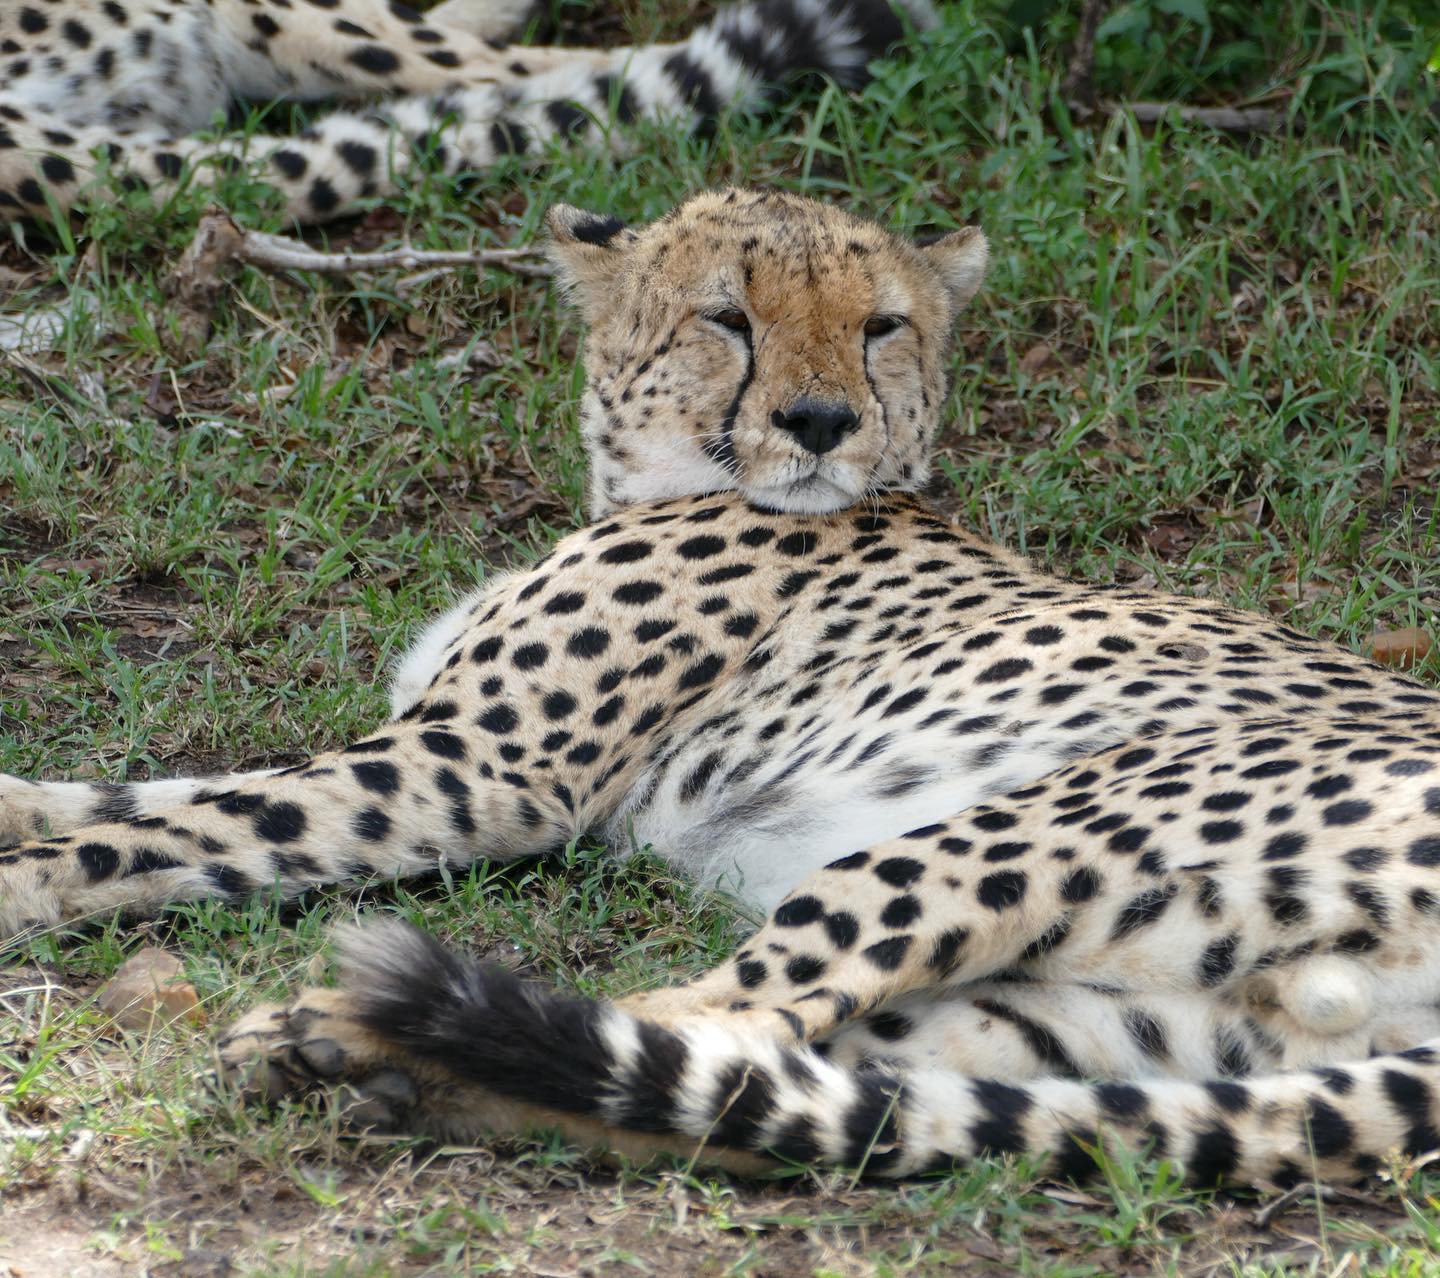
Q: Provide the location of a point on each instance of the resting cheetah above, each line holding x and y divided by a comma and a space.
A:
1012, 826
127, 79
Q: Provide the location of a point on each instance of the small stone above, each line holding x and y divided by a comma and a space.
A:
150, 988
1403, 649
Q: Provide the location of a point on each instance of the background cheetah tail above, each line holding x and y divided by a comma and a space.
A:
729, 1088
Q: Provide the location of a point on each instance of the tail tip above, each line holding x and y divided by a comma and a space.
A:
388, 958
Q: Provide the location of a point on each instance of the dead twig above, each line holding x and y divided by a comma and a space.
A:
195, 282
1228, 119
1078, 87
1231, 119
219, 243
276, 253
1283, 1202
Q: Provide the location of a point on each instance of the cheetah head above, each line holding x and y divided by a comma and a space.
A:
763, 343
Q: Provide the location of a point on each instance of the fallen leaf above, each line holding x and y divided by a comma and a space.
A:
85, 567
150, 988
1402, 649
1038, 359
1169, 540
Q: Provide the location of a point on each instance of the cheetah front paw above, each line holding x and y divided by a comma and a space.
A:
313, 1045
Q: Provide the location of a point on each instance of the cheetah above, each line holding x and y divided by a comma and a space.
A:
1048, 864
91, 89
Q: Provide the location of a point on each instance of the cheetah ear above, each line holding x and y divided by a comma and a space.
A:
960, 257
588, 252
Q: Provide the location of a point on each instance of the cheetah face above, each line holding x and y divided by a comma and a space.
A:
763, 343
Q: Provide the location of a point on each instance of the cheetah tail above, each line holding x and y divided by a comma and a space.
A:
729, 1089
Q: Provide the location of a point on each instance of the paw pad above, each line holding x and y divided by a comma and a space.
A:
382, 1101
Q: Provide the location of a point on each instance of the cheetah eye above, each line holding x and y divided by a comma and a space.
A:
732, 318
879, 325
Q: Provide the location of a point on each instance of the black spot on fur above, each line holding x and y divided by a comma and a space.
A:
1217, 961
1214, 1157
1411, 1098
375, 59
146, 860
799, 910
887, 955
280, 822
751, 972
597, 230
843, 928
1040, 1039
1148, 1033
445, 745
1001, 1130
97, 860
1002, 890
371, 824
899, 871
378, 776
569, 121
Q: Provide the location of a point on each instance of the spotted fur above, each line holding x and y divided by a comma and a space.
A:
95, 87
1007, 825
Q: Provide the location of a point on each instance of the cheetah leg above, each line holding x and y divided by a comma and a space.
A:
1107, 872
905, 914
400, 803
318, 1044
39, 809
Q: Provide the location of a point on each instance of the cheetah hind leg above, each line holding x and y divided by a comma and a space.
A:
860, 932
318, 1044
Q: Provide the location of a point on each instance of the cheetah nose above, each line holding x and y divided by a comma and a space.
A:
817, 426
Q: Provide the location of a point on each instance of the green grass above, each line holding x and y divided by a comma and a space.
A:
205, 560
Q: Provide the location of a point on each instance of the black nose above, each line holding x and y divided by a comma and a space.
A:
816, 425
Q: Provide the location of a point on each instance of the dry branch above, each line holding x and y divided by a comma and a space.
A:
1232, 119
276, 253
218, 243
1228, 119
1078, 87
196, 280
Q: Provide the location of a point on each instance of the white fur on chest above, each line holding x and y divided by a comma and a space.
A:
843, 785
759, 853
